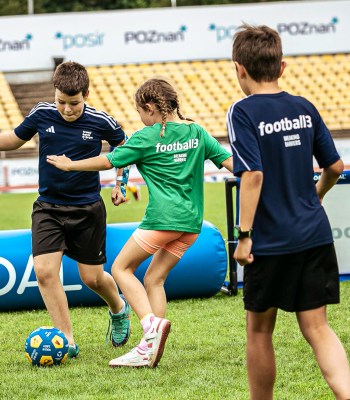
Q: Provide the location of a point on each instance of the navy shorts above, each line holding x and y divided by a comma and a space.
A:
292, 282
79, 231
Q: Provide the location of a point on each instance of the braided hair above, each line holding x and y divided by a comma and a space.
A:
163, 95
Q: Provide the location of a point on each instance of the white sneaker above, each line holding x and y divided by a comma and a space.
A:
156, 337
135, 358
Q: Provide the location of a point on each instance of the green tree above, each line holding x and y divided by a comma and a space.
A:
13, 7
20, 7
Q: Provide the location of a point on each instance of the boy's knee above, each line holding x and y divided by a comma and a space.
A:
45, 275
314, 333
90, 281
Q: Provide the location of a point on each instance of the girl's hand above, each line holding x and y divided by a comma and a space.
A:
61, 162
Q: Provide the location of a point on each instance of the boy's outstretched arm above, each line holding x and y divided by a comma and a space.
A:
10, 141
99, 163
329, 178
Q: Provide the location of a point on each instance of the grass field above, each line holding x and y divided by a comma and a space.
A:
205, 354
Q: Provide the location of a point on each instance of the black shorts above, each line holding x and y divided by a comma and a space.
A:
78, 231
292, 282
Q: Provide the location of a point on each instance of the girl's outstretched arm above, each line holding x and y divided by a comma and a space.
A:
228, 164
99, 163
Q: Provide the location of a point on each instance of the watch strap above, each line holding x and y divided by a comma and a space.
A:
239, 234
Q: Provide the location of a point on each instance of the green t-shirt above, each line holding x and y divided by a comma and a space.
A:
173, 168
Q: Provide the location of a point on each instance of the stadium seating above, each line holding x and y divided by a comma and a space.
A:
324, 80
10, 114
207, 88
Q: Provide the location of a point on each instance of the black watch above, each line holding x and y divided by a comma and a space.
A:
239, 234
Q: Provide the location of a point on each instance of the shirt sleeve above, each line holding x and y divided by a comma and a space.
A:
28, 128
214, 151
243, 141
129, 153
115, 136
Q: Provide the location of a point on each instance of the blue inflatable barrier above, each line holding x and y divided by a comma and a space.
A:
200, 273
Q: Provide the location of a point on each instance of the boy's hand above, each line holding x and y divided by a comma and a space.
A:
243, 254
61, 162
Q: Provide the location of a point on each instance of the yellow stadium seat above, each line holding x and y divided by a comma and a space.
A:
208, 87
10, 113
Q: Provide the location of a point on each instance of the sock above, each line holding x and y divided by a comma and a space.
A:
143, 345
146, 322
121, 311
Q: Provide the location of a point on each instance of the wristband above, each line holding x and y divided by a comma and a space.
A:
125, 176
239, 234
122, 188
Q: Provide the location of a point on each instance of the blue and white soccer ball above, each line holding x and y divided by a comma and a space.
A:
46, 346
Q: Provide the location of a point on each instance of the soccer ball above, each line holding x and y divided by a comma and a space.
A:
46, 346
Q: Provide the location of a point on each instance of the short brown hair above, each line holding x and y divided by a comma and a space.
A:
71, 78
259, 50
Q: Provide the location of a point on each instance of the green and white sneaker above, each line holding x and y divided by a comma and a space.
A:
119, 326
73, 351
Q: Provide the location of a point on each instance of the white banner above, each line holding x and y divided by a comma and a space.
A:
167, 34
336, 203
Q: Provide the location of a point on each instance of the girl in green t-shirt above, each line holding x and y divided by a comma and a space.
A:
170, 157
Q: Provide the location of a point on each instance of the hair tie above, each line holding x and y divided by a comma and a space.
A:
162, 130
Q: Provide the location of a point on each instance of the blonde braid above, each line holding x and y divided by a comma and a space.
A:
182, 117
160, 102
163, 95
163, 108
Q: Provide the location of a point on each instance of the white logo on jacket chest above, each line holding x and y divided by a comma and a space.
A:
87, 135
51, 129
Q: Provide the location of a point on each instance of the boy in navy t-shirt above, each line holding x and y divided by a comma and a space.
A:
284, 237
69, 216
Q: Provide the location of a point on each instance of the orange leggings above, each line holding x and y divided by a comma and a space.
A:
174, 242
